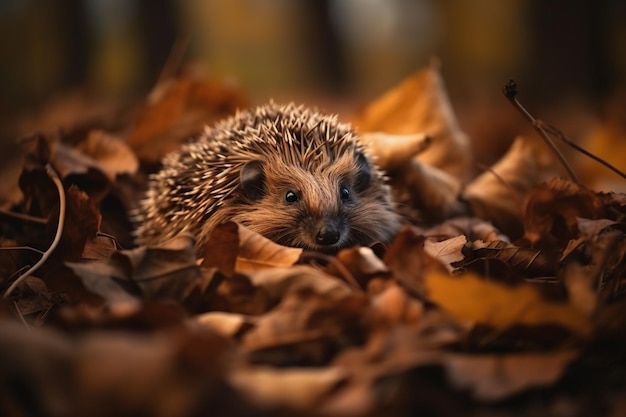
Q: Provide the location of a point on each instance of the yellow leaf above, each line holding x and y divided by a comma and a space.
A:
474, 299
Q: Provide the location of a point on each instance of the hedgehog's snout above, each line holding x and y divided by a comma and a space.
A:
328, 231
327, 235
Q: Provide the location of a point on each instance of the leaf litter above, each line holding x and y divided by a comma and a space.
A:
503, 295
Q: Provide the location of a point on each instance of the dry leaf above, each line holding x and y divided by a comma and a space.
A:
177, 109
497, 195
496, 377
394, 306
232, 247
165, 272
297, 388
306, 329
446, 251
430, 192
393, 152
526, 261
360, 263
471, 227
408, 261
277, 282
100, 279
225, 324
82, 223
99, 248
420, 105
111, 154
580, 282
553, 210
476, 300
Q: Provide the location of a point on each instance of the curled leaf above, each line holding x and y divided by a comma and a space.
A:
235, 248
429, 190
179, 108
419, 104
392, 152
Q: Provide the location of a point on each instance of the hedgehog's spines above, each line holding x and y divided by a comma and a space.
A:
199, 186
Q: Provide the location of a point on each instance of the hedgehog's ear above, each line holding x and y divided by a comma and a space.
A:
364, 172
252, 179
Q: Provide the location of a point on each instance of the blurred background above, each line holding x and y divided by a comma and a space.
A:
568, 56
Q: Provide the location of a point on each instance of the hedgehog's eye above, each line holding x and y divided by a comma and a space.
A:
291, 197
344, 194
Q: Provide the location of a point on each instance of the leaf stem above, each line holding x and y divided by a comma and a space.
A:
57, 181
556, 132
23, 216
510, 92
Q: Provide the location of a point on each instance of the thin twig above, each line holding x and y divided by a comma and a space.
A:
23, 248
559, 134
23, 216
510, 92
20, 315
57, 181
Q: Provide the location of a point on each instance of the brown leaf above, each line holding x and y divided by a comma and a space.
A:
103, 279
408, 261
471, 227
476, 300
393, 152
360, 263
177, 109
168, 373
394, 306
495, 377
110, 154
306, 328
225, 324
295, 388
429, 191
553, 210
277, 282
580, 282
99, 248
165, 374
74, 167
34, 297
604, 241
526, 261
497, 195
446, 251
82, 223
237, 294
165, 272
232, 247
419, 104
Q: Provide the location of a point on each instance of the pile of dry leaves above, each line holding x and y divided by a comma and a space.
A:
503, 297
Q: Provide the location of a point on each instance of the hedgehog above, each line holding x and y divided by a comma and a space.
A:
296, 176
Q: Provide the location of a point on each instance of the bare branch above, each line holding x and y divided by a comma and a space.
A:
510, 92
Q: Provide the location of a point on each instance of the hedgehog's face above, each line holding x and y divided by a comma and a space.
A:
313, 209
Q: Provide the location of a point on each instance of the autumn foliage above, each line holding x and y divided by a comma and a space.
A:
502, 295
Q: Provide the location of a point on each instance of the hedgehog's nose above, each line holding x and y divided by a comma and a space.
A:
327, 235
